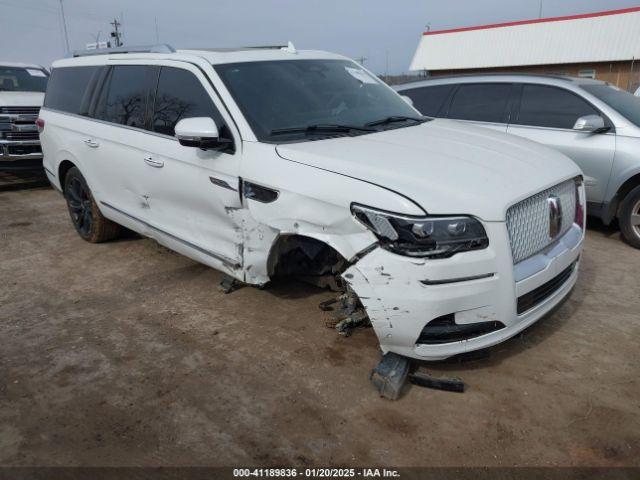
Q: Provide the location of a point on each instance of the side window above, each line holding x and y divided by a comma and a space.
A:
429, 100
124, 96
544, 106
181, 95
70, 89
482, 102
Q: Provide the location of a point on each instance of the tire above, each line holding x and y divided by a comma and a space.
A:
90, 224
629, 217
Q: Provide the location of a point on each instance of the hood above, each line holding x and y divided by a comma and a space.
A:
444, 166
21, 99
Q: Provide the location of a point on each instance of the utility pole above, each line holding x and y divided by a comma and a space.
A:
361, 60
64, 25
157, 34
540, 11
386, 66
116, 34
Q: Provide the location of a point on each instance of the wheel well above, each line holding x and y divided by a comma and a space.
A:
64, 167
297, 255
624, 190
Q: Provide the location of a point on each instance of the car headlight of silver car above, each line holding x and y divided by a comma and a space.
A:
429, 236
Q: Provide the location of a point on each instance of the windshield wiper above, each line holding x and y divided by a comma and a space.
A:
320, 129
395, 119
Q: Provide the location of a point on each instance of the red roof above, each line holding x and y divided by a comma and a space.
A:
537, 20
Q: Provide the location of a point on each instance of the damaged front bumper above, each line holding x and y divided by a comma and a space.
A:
435, 309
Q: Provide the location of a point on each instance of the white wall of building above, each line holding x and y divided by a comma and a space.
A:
605, 38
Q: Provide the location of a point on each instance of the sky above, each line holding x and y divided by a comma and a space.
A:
385, 32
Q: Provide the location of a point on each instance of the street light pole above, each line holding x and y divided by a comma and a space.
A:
64, 25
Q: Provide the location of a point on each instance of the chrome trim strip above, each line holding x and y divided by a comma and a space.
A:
541, 260
117, 125
228, 261
457, 280
20, 142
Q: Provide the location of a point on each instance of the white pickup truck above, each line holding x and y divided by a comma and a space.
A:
22, 89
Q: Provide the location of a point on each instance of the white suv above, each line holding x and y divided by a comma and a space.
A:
22, 89
262, 162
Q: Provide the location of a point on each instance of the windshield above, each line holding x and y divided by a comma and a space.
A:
625, 103
14, 79
294, 100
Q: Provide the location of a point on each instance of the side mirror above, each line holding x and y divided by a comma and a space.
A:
590, 123
200, 132
407, 99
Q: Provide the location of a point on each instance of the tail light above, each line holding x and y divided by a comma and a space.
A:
40, 125
580, 203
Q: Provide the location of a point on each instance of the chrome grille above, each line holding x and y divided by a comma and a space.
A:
17, 124
20, 110
20, 136
528, 221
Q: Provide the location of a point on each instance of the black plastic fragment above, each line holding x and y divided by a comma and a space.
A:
448, 384
327, 305
229, 284
390, 375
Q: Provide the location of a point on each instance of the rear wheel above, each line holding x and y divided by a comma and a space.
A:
629, 217
90, 224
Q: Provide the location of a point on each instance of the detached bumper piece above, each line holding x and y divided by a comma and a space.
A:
529, 300
448, 384
390, 375
445, 330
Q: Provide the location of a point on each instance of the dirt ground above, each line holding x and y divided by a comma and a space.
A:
125, 353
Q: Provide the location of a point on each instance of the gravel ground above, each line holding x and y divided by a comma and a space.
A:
125, 353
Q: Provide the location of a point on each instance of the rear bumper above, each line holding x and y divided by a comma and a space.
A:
402, 295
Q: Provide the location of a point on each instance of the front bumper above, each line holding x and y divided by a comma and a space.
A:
20, 155
402, 295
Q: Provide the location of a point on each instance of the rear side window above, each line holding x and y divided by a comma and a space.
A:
124, 96
429, 100
544, 106
483, 102
70, 88
181, 95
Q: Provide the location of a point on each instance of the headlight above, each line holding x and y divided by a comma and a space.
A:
432, 237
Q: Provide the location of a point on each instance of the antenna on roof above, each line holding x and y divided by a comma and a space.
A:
290, 48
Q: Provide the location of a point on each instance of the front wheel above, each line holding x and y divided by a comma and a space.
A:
90, 224
629, 217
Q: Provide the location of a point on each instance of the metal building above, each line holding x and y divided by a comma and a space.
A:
603, 45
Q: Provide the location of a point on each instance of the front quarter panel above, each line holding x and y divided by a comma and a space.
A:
626, 164
311, 202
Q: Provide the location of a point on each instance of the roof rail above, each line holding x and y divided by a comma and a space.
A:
238, 49
556, 76
160, 48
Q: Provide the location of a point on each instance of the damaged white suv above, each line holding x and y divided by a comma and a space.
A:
262, 162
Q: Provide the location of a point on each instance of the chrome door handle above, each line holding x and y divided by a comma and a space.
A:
153, 163
91, 143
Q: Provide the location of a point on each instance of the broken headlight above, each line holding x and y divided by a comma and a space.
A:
430, 236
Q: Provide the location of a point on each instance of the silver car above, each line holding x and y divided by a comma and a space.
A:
594, 123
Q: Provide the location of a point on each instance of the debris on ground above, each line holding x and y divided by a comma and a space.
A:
229, 284
390, 375
422, 379
345, 313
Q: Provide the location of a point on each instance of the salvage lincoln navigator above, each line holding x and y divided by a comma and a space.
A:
262, 162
